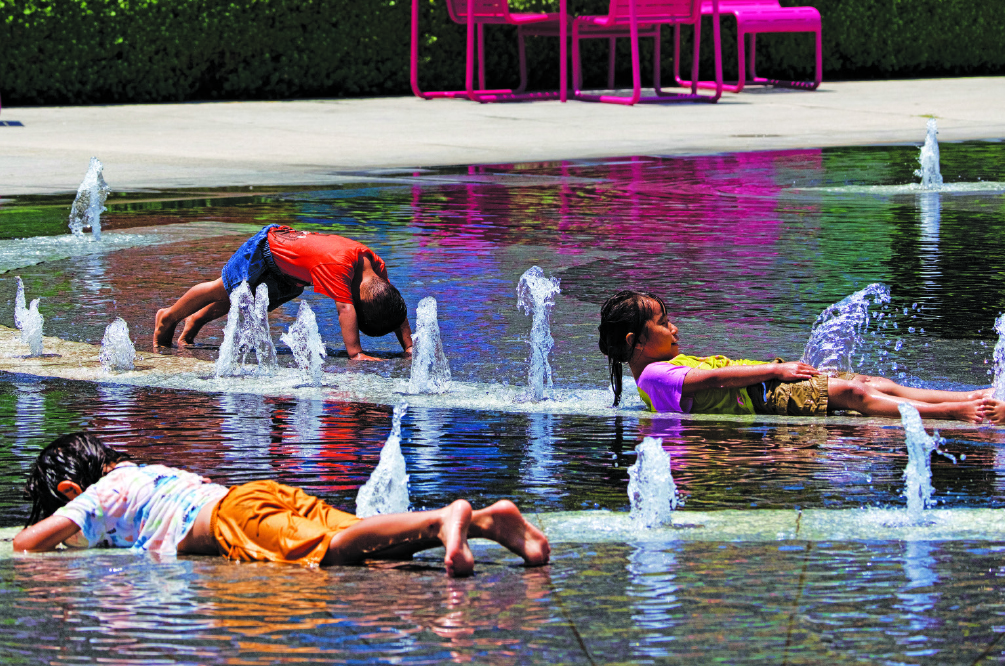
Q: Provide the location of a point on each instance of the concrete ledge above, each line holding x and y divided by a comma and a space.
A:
317, 141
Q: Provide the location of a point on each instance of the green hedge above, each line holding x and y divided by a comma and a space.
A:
101, 51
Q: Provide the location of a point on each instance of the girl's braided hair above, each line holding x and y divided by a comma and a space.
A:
79, 457
625, 312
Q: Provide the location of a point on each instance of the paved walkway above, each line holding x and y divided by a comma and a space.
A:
319, 141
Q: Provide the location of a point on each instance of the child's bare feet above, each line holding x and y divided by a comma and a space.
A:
188, 333
971, 411
163, 332
993, 410
503, 523
454, 536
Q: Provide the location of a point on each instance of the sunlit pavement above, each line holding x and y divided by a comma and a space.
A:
46, 149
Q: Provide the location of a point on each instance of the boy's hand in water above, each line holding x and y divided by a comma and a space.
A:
795, 371
363, 357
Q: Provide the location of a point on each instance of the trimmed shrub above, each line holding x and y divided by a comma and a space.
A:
117, 51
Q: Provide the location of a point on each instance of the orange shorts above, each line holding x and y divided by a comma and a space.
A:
265, 520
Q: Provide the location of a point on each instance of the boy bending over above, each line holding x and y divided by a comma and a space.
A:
87, 495
286, 261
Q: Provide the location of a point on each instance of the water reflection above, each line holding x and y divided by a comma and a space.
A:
652, 591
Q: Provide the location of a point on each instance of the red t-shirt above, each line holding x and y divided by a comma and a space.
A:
326, 261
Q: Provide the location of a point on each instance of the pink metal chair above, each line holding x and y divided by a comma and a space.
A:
754, 16
643, 18
493, 12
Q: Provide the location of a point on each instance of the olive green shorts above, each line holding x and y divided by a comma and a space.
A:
804, 398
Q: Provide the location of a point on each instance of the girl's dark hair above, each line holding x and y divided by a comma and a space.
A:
78, 457
625, 312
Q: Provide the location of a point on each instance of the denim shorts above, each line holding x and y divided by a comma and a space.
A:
253, 262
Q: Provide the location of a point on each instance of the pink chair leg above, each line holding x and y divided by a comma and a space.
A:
656, 62
636, 67
481, 57
612, 42
522, 49
741, 47
820, 62
577, 74
696, 57
469, 63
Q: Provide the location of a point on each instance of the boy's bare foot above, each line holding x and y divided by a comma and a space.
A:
454, 536
503, 523
188, 333
163, 333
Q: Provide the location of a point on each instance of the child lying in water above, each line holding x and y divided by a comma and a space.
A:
87, 495
634, 329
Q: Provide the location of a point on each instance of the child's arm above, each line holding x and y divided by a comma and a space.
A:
45, 534
350, 332
404, 334
737, 376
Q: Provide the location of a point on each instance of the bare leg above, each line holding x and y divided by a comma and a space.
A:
503, 523
400, 534
843, 394
890, 387
195, 322
194, 300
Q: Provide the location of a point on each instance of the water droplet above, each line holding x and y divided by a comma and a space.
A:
899, 345
910, 329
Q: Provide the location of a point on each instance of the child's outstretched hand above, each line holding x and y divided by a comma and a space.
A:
993, 410
795, 371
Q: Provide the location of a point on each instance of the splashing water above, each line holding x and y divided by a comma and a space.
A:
918, 474
247, 329
305, 341
117, 352
535, 294
651, 488
838, 330
998, 384
931, 178
386, 491
430, 368
29, 320
90, 202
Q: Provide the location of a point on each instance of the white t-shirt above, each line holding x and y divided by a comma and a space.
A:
149, 507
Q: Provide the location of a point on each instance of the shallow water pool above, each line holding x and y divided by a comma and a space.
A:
746, 248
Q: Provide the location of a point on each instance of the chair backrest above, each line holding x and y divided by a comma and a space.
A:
496, 11
657, 11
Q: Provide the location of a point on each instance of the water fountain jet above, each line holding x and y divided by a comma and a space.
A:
90, 202
931, 178
305, 341
28, 320
651, 488
386, 491
536, 295
839, 329
247, 329
918, 473
998, 382
430, 368
117, 351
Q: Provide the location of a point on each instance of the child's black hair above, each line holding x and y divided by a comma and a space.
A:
78, 457
381, 309
625, 312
